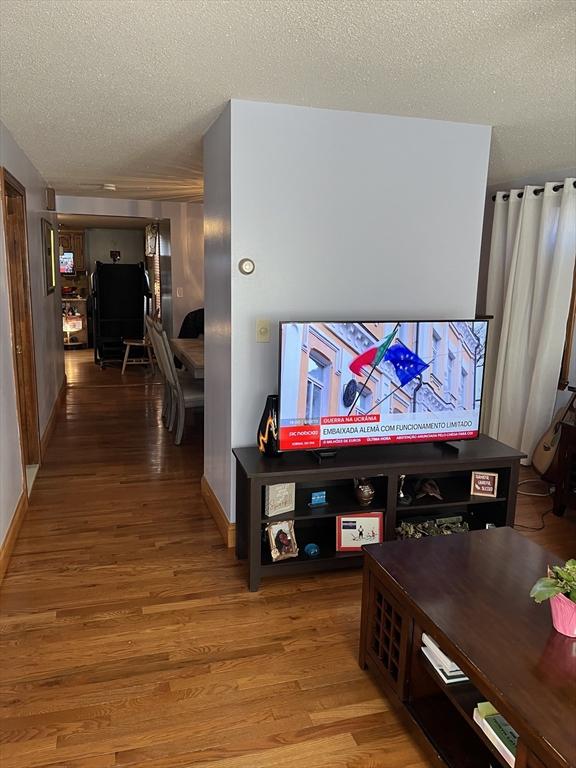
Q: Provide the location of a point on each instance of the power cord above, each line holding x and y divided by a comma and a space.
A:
532, 528
549, 492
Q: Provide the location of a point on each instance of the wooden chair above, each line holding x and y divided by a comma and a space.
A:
148, 360
168, 412
186, 391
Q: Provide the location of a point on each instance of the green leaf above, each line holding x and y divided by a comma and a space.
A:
544, 589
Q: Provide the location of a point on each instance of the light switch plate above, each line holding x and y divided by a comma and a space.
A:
179, 293
262, 330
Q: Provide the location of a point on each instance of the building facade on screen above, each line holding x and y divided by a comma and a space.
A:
318, 386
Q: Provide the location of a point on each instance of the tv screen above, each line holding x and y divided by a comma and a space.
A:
67, 263
360, 383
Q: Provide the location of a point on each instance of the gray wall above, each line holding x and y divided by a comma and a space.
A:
347, 216
47, 320
99, 242
217, 345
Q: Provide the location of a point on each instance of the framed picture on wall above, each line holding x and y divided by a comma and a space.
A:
48, 249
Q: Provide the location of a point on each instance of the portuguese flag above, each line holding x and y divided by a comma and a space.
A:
372, 357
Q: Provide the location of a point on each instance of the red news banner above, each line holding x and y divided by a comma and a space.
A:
307, 436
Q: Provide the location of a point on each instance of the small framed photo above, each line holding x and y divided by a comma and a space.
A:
279, 499
48, 251
353, 531
484, 484
282, 540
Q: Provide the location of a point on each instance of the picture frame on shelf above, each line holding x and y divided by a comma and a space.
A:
48, 249
357, 529
484, 484
282, 540
279, 499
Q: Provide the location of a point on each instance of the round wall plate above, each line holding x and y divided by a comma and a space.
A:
246, 266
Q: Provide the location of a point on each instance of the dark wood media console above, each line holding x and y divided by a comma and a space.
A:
470, 594
383, 465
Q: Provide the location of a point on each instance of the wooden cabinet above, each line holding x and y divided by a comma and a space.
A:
565, 493
384, 465
467, 593
71, 240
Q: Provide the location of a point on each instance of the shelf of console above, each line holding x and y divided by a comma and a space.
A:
383, 463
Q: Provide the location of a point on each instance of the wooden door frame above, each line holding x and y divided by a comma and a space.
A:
22, 329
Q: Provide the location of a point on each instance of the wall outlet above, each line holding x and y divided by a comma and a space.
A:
262, 330
179, 293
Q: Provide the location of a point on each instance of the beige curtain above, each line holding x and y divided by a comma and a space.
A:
529, 288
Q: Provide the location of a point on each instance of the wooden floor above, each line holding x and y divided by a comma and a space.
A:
128, 637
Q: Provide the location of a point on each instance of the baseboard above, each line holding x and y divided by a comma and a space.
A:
51, 426
226, 528
7, 545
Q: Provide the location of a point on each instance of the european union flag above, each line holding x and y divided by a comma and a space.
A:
406, 363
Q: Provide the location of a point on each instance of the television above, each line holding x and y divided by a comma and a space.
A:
363, 383
67, 263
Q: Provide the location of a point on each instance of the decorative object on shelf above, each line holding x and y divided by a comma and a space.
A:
427, 487
318, 499
484, 484
279, 499
404, 498
353, 531
282, 540
49, 255
349, 393
440, 527
559, 586
364, 491
267, 439
115, 256
311, 550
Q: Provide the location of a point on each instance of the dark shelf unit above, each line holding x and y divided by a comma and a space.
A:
383, 465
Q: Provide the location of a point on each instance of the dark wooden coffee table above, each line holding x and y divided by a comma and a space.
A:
470, 593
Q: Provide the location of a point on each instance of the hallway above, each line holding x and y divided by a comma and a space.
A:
128, 637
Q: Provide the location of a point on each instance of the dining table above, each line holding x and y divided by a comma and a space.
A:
190, 352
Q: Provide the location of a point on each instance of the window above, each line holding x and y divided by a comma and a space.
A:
450, 373
364, 403
315, 391
463, 386
436, 354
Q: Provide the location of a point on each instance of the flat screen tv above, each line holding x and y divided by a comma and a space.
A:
67, 263
360, 383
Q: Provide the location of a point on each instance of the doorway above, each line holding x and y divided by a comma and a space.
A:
14, 208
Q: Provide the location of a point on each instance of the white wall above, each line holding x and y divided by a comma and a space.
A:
217, 254
99, 242
193, 274
347, 216
46, 316
182, 258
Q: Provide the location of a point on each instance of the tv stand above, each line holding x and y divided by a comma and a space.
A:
323, 454
383, 465
448, 447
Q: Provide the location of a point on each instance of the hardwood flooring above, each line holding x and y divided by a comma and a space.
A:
128, 636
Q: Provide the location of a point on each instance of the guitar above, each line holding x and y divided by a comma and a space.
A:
545, 451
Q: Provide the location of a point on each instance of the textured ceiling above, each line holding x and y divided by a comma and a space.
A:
121, 91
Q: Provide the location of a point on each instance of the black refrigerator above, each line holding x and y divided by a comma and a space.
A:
120, 299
